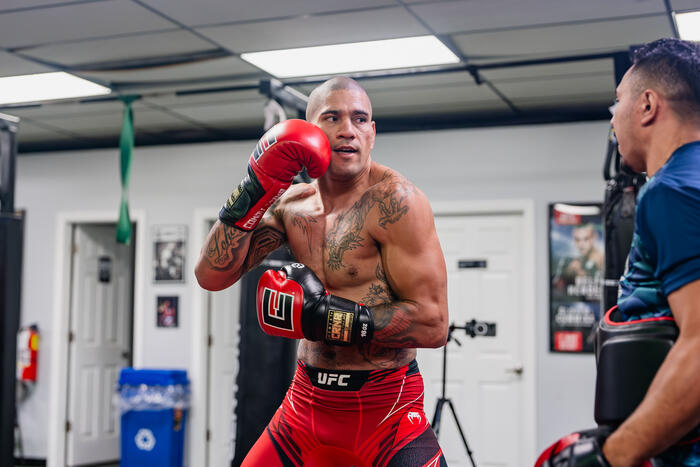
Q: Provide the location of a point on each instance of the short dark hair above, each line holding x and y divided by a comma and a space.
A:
673, 67
337, 83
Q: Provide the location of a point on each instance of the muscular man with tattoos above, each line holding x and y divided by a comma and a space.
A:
369, 288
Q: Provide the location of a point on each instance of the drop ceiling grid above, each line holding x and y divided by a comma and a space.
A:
308, 31
77, 21
174, 42
221, 11
564, 39
459, 16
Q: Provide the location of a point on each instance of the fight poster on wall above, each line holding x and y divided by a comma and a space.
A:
576, 262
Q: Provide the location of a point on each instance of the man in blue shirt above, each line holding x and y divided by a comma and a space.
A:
657, 123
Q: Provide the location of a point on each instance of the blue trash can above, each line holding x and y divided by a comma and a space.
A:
153, 406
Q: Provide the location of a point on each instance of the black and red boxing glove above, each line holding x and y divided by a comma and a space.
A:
278, 157
579, 449
292, 302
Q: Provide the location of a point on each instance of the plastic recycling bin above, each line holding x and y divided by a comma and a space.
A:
153, 405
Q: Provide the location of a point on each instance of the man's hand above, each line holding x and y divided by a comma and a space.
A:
579, 449
279, 155
292, 302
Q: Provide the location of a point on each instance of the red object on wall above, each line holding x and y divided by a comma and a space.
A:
568, 341
27, 353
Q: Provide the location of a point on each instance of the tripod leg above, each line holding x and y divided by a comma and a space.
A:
436, 417
461, 433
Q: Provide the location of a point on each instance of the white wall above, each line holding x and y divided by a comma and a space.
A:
545, 163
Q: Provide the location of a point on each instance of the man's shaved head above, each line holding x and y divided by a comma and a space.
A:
338, 83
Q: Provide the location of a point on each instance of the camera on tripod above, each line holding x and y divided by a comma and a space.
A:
473, 328
476, 328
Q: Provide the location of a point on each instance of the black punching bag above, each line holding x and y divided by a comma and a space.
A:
618, 219
267, 363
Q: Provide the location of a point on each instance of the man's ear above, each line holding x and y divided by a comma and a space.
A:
650, 106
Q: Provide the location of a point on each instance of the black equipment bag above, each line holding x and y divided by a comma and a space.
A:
267, 363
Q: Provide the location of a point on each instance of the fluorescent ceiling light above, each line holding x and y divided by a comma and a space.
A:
46, 86
353, 57
689, 25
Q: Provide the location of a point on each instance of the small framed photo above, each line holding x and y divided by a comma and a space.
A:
169, 245
167, 311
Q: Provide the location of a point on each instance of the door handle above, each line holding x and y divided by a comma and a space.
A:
126, 355
517, 369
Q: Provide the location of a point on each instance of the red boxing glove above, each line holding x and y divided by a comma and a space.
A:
279, 155
579, 449
279, 305
293, 302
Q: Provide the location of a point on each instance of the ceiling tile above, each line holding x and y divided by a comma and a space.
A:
680, 5
102, 124
474, 15
223, 67
316, 30
552, 70
223, 11
223, 114
574, 38
174, 101
121, 48
11, 65
68, 109
147, 119
24, 4
565, 86
459, 78
77, 21
436, 99
575, 101
30, 131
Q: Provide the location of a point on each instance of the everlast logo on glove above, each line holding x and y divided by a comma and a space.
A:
277, 309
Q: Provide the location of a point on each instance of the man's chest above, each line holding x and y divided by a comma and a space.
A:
338, 247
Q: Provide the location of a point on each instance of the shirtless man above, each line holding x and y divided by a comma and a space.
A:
372, 277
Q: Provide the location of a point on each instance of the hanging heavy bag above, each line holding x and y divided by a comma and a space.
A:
618, 215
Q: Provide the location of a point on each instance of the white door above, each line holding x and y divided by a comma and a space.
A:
223, 369
483, 374
100, 341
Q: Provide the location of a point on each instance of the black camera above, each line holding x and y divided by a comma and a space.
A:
478, 328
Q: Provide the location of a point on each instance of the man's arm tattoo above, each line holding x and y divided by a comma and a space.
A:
224, 248
393, 323
303, 222
265, 240
379, 293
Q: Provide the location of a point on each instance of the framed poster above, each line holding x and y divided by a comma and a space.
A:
576, 268
167, 311
169, 243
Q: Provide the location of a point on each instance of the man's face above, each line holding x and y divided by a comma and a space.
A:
584, 238
626, 122
345, 116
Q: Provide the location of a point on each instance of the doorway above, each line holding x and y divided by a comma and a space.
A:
88, 349
99, 341
490, 380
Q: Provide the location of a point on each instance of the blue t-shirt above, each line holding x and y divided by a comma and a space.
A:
665, 252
